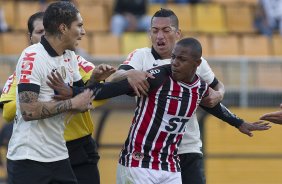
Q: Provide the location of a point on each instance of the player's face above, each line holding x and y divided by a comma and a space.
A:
183, 66
74, 33
37, 32
163, 36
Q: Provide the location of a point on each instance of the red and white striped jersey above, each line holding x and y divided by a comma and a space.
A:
160, 121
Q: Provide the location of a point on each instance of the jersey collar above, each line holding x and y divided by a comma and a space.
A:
155, 54
48, 47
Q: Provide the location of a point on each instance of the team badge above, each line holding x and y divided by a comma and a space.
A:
138, 156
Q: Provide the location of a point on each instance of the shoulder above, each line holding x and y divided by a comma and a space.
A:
161, 70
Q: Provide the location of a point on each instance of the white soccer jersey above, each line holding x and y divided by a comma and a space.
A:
41, 140
143, 59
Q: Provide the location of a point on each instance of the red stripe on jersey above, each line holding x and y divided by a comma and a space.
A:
173, 104
145, 122
156, 150
172, 148
194, 99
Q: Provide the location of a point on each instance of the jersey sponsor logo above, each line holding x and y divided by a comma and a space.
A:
137, 155
176, 125
26, 68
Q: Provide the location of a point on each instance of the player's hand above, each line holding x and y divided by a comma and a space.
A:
274, 117
138, 81
62, 90
212, 99
100, 73
83, 101
247, 128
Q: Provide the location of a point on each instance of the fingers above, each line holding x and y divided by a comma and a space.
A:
149, 75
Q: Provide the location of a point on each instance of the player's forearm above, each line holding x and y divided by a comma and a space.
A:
221, 112
118, 76
220, 89
103, 91
42, 110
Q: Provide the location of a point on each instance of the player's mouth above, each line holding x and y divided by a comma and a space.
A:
160, 44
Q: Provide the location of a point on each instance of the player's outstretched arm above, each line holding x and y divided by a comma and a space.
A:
221, 112
274, 117
32, 109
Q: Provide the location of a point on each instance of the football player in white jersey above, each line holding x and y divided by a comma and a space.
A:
164, 33
37, 152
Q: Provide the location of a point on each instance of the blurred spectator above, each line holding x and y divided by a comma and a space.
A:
3, 24
175, 1
130, 15
268, 17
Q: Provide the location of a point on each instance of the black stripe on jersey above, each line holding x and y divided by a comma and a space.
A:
184, 102
162, 101
202, 88
125, 156
28, 87
164, 157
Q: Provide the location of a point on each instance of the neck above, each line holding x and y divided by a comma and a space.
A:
191, 79
56, 43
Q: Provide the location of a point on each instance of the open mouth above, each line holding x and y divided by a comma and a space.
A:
161, 44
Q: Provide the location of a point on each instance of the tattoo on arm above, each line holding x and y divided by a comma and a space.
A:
28, 97
32, 109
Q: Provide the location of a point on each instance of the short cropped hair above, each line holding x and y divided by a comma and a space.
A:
61, 12
194, 44
167, 13
32, 18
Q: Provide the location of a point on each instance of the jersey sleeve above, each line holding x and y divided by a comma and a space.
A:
135, 60
30, 68
9, 89
205, 72
9, 110
160, 74
85, 68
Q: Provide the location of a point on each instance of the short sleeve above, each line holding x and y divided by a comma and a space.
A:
9, 89
85, 68
135, 59
205, 72
30, 68
76, 74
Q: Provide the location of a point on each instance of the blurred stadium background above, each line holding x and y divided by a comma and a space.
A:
249, 64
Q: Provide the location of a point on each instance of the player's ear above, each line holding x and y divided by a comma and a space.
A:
178, 34
63, 28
